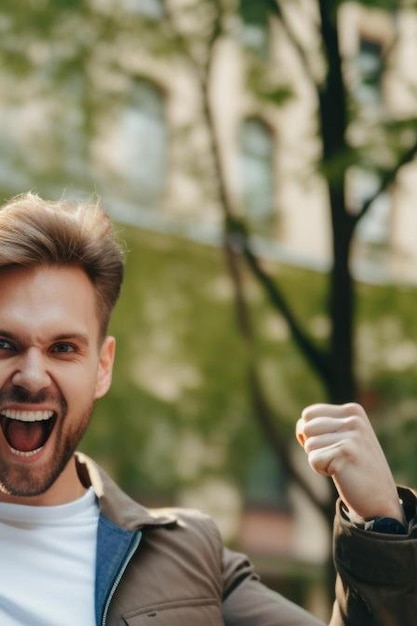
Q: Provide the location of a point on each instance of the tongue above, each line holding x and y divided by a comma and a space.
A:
24, 436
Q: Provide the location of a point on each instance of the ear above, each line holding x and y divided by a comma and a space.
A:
105, 367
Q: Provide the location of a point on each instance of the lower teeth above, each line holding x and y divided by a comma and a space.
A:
26, 454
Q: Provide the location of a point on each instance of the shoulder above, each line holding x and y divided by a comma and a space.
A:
191, 525
186, 553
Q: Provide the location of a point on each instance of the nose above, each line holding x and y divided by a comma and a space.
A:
31, 373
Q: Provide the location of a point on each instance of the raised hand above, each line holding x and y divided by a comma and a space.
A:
340, 442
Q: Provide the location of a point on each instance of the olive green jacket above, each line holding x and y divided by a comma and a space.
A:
168, 567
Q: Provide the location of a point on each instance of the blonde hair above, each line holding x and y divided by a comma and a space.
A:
38, 232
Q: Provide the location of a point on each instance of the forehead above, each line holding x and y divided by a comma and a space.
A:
47, 300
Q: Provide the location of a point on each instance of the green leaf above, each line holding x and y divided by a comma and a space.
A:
278, 95
254, 11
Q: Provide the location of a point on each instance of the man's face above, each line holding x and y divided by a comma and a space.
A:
52, 368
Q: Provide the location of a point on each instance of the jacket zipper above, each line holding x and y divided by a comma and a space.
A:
132, 549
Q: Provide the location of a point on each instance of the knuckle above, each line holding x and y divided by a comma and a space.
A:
311, 410
353, 409
319, 462
355, 425
333, 467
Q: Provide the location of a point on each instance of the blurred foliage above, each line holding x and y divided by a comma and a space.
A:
255, 12
181, 369
175, 326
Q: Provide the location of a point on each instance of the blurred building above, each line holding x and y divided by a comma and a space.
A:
138, 99
157, 144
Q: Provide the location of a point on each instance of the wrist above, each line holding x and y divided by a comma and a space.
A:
379, 510
387, 518
386, 525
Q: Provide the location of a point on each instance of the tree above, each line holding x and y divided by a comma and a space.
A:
388, 144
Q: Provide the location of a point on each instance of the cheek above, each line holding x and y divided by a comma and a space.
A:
78, 385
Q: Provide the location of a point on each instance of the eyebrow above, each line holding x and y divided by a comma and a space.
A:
72, 336
68, 336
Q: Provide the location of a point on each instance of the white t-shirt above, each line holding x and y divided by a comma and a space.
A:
47, 563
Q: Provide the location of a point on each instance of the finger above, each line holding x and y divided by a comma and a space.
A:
326, 425
316, 425
323, 441
325, 460
315, 410
299, 432
332, 410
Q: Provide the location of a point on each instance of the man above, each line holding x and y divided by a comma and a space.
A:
76, 550
375, 547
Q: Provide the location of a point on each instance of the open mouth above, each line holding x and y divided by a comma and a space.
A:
26, 432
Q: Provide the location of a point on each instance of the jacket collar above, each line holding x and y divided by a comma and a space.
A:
116, 505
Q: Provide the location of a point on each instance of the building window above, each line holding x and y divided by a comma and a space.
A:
374, 228
256, 174
143, 142
267, 482
255, 27
369, 65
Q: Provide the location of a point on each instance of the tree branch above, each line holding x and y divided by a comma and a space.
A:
276, 9
279, 443
386, 179
317, 358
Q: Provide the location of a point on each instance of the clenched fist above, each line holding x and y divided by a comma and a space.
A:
340, 442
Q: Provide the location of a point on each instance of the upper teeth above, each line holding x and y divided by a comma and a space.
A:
27, 416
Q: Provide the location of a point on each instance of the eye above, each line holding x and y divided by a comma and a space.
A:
63, 348
6, 345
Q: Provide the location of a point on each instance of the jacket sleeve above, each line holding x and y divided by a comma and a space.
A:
247, 602
377, 578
